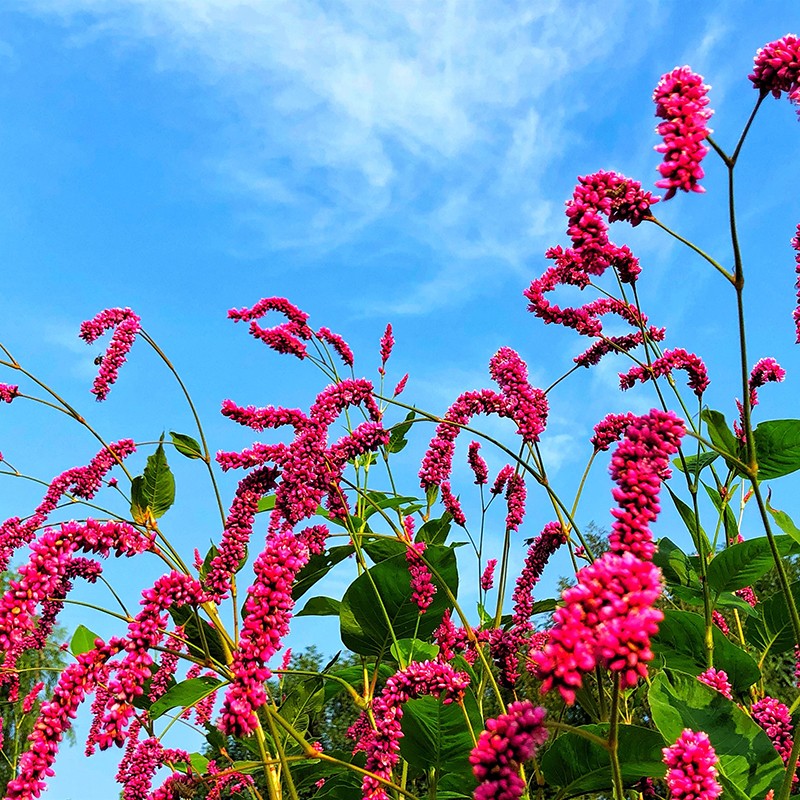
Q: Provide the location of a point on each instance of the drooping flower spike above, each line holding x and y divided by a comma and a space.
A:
777, 68
691, 767
288, 337
127, 325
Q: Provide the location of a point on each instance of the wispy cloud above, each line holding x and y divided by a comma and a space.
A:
444, 114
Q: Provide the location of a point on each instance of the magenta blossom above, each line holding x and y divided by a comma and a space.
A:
127, 326
681, 98
777, 68
8, 392
691, 767
717, 679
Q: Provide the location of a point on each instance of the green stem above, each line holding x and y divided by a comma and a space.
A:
714, 263
791, 767
613, 742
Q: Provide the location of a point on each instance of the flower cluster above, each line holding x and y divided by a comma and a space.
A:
717, 679
638, 466
681, 98
796, 312
774, 717
423, 589
288, 337
487, 576
417, 679
664, 365
610, 429
477, 464
607, 619
387, 345
777, 68
338, 344
8, 392
508, 742
127, 325
691, 767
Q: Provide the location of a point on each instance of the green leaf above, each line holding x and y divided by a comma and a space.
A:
381, 597
675, 564
747, 758
694, 596
721, 435
697, 463
183, 694
579, 766
199, 633
772, 629
266, 503
681, 641
397, 436
690, 521
435, 531
743, 564
154, 490
320, 607
186, 445
378, 500
435, 736
318, 567
777, 448
82, 640
379, 549
407, 650
784, 522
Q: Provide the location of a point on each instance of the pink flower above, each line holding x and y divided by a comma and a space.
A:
127, 326
717, 679
526, 405
681, 99
260, 419
401, 385
672, 359
607, 619
691, 771
507, 743
502, 479
720, 622
29, 700
639, 463
610, 429
774, 717
796, 312
777, 68
387, 343
423, 589
283, 338
8, 392
748, 595
382, 744
265, 623
477, 464
542, 547
487, 577
338, 344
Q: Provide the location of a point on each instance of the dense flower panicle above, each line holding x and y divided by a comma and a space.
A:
229, 783
487, 576
382, 746
610, 429
607, 619
748, 595
314, 537
777, 68
238, 529
423, 588
507, 743
8, 392
542, 547
516, 493
616, 344
147, 757
767, 370
774, 717
477, 464
438, 461
681, 98
127, 326
202, 708
526, 405
284, 338
265, 623
797, 666
617, 197
452, 504
691, 767
639, 463
717, 679
671, 360
260, 419
55, 719
83, 482
796, 312
502, 479
29, 700
338, 344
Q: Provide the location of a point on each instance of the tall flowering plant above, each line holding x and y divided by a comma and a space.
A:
644, 679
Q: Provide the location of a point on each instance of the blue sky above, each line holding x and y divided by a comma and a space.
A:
400, 162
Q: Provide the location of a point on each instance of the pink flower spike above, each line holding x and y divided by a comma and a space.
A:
796, 312
487, 577
777, 68
127, 326
401, 385
8, 392
681, 99
717, 679
338, 344
283, 338
691, 767
477, 464
387, 343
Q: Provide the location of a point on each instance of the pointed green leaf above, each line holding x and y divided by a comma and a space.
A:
784, 522
435, 531
154, 490
675, 564
697, 463
721, 435
183, 694
318, 567
690, 521
320, 607
771, 630
777, 448
186, 445
728, 517
397, 435
407, 650
82, 640
743, 564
